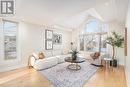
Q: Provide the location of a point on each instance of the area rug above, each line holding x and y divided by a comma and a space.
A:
61, 76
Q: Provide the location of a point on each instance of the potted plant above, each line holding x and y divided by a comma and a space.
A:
74, 53
115, 40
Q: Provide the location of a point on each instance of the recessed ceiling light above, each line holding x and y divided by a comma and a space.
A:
107, 4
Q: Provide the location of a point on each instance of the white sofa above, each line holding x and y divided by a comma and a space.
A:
54, 58
47, 62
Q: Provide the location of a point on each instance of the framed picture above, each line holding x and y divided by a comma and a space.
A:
49, 34
125, 43
49, 45
57, 38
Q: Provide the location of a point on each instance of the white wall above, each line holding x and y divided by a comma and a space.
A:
32, 39
128, 44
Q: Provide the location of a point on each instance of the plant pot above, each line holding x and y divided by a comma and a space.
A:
113, 63
74, 56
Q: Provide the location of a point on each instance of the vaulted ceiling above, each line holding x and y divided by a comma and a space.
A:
70, 13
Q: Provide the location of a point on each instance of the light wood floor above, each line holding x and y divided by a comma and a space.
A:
25, 77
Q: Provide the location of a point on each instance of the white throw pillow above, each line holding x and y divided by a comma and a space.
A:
35, 56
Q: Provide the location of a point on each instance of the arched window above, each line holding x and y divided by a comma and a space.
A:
92, 26
93, 37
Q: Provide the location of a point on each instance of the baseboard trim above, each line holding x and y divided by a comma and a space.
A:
8, 68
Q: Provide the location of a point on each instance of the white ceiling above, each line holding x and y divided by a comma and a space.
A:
69, 13
116, 10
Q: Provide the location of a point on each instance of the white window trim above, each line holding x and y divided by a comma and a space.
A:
11, 61
82, 31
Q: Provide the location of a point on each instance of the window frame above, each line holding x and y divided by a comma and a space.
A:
18, 46
4, 21
100, 33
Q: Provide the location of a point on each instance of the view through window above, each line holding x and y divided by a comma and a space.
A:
10, 39
93, 38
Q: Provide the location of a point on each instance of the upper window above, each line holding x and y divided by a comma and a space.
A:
92, 26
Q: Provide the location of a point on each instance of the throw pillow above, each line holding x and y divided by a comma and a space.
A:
41, 55
95, 55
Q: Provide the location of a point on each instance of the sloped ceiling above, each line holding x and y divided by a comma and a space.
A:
69, 13
52, 11
76, 20
112, 10
115, 10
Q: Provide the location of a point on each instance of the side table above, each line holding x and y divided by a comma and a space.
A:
107, 62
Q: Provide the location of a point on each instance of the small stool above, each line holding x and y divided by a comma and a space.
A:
107, 62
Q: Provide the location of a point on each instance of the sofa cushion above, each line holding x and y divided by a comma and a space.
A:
60, 59
45, 63
48, 54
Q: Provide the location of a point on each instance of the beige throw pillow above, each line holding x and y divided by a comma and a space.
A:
41, 55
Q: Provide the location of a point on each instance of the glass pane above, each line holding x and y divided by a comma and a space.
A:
92, 27
103, 44
92, 43
10, 31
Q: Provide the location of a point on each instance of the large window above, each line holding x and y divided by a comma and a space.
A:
9, 39
93, 38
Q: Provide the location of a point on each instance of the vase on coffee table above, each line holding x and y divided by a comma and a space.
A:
74, 56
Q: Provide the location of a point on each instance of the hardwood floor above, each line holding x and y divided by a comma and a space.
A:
108, 78
25, 77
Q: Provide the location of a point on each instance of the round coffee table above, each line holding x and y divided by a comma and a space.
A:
74, 63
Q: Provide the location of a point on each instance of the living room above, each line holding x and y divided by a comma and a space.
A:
38, 38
